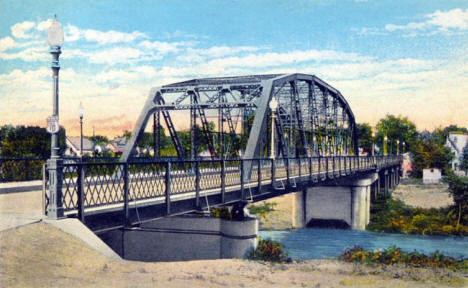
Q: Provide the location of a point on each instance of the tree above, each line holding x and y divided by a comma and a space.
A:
440, 135
397, 128
366, 140
100, 140
458, 188
428, 154
31, 141
464, 159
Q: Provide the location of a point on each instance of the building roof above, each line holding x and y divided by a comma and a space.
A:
74, 143
457, 142
118, 143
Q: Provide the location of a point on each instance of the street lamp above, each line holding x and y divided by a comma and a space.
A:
81, 115
397, 146
385, 146
373, 136
55, 40
55, 164
273, 107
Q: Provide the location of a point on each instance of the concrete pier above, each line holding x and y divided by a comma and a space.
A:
184, 238
346, 200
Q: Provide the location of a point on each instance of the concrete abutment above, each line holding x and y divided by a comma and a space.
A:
189, 237
346, 200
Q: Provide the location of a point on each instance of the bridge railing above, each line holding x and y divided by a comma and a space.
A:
113, 184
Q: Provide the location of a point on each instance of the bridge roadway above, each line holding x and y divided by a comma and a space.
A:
108, 196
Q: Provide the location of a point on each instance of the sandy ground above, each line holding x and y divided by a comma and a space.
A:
39, 255
281, 217
424, 196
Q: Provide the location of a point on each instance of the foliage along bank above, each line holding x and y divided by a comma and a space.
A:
389, 215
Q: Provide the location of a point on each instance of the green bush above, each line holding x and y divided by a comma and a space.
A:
269, 250
393, 255
388, 215
221, 212
262, 210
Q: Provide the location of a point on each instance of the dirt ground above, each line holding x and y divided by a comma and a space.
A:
39, 255
423, 195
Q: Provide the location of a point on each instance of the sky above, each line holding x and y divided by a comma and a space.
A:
405, 58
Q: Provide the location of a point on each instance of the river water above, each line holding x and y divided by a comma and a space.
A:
318, 243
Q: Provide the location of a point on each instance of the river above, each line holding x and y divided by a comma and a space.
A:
318, 243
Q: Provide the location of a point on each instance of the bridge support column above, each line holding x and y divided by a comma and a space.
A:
299, 209
360, 213
348, 201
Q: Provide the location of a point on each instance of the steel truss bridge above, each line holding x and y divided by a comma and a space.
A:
315, 143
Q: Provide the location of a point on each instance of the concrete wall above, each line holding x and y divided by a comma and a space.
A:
348, 201
184, 238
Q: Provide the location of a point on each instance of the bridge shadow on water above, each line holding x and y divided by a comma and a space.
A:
328, 224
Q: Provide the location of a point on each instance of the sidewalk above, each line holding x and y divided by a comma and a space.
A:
21, 208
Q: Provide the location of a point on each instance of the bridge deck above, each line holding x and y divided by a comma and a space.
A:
115, 194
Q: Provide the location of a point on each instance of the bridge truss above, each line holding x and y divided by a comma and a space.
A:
312, 118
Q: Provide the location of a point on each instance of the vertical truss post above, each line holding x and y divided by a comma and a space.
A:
126, 186
156, 134
242, 179
299, 119
273, 170
223, 180
205, 126
259, 176
193, 129
197, 185
167, 192
80, 182
221, 124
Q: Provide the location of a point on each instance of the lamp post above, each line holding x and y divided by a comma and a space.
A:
273, 107
373, 136
81, 115
397, 146
385, 146
54, 164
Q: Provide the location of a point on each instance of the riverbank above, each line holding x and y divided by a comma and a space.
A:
414, 194
39, 255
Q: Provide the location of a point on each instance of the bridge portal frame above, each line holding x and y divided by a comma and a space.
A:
312, 115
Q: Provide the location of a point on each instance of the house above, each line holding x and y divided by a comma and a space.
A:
73, 146
117, 145
456, 142
432, 176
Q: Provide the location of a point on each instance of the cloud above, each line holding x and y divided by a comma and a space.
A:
198, 54
163, 47
7, 43
73, 33
37, 53
447, 22
20, 30
452, 20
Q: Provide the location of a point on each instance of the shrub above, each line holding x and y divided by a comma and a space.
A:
262, 210
221, 212
269, 250
388, 215
393, 255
